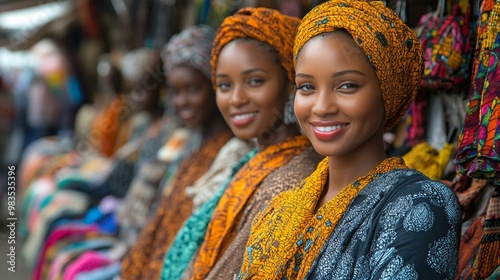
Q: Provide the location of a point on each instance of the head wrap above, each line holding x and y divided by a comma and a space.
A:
261, 24
190, 47
136, 62
389, 44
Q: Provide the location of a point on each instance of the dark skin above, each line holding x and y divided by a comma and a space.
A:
252, 89
340, 108
194, 100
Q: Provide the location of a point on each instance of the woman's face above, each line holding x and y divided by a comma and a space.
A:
252, 89
338, 102
192, 95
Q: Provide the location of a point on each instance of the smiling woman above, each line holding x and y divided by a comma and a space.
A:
359, 214
338, 102
192, 96
251, 89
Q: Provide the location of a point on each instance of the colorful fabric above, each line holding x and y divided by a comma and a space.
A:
447, 50
417, 118
289, 234
478, 146
145, 259
102, 273
488, 255
385, 39
469, 244
426, 159
56, 236
190, 48
31, 202
105, 126
221, 228
137, 206
190, 236
221, 169
467, 196
87, 261
74, 249
63, 203
131, 156
264, 25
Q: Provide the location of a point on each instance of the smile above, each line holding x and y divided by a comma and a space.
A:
187, 114
243, 119
328, 128
327, 132
244, 116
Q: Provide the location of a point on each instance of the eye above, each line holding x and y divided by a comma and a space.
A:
305, 88
349, 86
256, 81
192, 88
223, 86
173, 91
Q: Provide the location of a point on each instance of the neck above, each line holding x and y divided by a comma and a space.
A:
216, 125
345, 169
276, 135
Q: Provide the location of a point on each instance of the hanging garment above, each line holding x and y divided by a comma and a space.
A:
478, 152
428, 160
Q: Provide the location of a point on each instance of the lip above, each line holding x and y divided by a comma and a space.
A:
328, 130
241, 119
187, 114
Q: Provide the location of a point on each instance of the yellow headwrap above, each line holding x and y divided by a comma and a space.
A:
388, 43
264, 25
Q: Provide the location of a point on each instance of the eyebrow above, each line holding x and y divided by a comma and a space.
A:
244, 72
337, 74
346, 72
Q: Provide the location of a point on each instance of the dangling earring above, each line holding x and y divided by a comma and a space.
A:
288, 112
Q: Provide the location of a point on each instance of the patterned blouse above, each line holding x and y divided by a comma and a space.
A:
402, 226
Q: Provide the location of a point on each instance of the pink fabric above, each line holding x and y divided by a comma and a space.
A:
57, 264
88, 261
57, 235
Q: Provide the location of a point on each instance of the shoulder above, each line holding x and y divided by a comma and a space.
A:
407, 188
292, 173
410, 181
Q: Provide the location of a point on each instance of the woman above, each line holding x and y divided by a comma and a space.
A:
359, 215
253, 71
187, 70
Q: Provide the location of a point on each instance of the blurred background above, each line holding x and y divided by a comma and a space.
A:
50, 51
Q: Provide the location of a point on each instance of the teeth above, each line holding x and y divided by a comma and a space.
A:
328, 128
244, 116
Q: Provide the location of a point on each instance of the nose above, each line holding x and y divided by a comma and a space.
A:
238, 96
325, 104
180, 99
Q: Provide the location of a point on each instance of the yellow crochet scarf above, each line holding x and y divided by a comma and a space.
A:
288, 235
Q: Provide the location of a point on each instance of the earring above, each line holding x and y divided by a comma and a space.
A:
288, 112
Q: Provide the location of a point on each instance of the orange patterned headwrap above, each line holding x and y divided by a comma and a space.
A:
388, 43
264, 25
